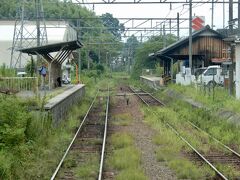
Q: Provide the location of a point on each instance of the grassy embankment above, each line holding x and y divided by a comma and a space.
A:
221, 129
217, 100
30, 145
178, 113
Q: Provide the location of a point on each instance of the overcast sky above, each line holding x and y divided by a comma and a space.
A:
163, 10
149, 11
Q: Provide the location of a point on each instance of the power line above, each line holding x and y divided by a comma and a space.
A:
141, 2
151, 2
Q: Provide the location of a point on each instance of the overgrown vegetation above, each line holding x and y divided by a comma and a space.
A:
123, 119
220, 100
142, 59
227, 132
182, 112
6, 72
171, 148
30, 146
125, 158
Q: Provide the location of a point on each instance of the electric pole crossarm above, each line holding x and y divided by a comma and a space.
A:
152, 2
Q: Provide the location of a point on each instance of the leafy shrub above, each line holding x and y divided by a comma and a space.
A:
13, 122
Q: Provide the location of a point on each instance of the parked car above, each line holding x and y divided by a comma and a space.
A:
199, 71
211, 76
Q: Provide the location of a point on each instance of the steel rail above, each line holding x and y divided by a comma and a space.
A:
219, 142
154, 98
70, 145
104, 138
139, 96
197, 152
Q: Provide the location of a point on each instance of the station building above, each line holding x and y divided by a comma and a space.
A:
208, 47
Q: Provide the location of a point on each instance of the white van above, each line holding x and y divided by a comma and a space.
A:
212, 75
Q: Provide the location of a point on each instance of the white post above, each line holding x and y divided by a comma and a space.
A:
49, 75
238, 69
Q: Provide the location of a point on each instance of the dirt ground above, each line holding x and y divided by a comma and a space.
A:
142, 134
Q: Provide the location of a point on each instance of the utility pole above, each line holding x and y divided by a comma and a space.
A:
212, 14
164, 36
232, 47
79, 52
99, 55
190, 34
37, 7
88, 59
223, 14
37, 4
178, 36
106, 58
170, 25
128, 60
237, 56
238, 18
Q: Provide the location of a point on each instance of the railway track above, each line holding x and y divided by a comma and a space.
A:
88, 143
226, 156
147, 98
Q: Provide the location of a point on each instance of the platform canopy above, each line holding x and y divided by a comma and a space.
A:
64, 49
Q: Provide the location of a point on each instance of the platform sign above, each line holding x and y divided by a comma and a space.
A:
198, 22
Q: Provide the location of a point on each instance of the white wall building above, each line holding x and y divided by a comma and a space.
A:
57, 31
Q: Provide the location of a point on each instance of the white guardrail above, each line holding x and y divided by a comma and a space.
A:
18, 83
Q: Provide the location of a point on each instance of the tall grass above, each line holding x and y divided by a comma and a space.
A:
221, 97
88, 170
7, 72
171, 148
125, 158
30, 147
222, 130
123, 119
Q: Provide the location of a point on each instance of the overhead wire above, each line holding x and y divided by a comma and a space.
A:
180, 14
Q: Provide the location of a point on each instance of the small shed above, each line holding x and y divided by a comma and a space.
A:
208, 47
63, 49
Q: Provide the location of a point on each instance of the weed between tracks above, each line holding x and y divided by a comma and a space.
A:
125, 158
122, 119
224, 131
171, 148
89, 168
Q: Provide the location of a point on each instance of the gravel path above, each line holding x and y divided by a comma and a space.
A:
143, 135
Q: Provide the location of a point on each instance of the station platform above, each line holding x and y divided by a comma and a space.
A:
55, 100
41, 93
59, 105
151, 81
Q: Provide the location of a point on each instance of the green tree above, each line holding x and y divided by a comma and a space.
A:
113, 25
142, 60
129, 51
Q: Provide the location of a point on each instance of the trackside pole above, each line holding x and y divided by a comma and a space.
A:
238, 69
